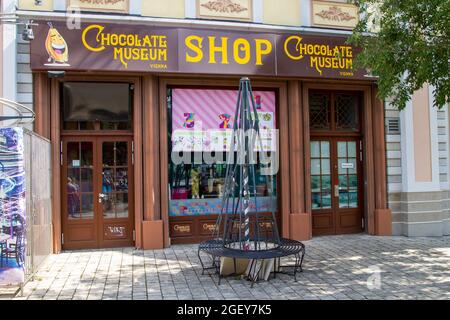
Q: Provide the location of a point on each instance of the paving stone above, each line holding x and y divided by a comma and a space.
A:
336, 267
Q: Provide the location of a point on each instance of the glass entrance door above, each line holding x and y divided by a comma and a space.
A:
97, 193
336, 185
114, 197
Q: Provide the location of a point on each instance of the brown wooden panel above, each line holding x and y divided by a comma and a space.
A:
206, 227
116, 231
182, 228
349, 220
323, 221
81, 233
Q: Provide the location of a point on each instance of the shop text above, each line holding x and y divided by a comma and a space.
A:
239, 50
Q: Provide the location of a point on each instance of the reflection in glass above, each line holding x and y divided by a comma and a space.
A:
326, 200
316, 201
115, 205
87, 206
86, 180
343, 183
73, 153
326, 166
326, 183
353, 169
341, 169
121, 153
121, 182
108, 205
343, 199
108, 154
342, 149
315, 166
353, 199
352, 149
353, 181
73, 199
122, 205
315, 183
86, 154
315, 149
325, 149
107, 181
115, 180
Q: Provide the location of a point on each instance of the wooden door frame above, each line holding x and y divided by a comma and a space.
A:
367, 137
283, 119
55, 134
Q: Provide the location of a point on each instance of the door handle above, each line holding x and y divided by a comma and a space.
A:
101, 197
336, 190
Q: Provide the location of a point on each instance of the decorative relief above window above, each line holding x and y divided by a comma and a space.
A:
225, 9
121, 6
334, 14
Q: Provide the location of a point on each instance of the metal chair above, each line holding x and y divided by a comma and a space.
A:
16, 250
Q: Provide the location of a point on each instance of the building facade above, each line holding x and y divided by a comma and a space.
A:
125, 89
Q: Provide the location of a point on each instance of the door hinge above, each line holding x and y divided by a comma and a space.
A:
61, 153
62, 238
134, 235
360, 151
132, 152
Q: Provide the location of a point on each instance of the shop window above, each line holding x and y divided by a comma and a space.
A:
200, 125
319, 111
346, 112
96, 106
320, 175
333, 111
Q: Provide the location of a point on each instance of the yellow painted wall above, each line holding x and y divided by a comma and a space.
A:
163, 8
47, 5
282, 12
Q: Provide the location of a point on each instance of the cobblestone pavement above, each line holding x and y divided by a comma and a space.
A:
337, 267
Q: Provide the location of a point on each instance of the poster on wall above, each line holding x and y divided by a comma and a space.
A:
203, 119
12, 207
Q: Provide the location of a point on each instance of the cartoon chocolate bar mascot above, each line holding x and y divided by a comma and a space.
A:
56, 46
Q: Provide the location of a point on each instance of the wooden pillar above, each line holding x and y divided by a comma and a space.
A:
382, 215
55, 138
369, 168
284, 190
41, 91
153, 226
164, 161
299, 218
306, 151
137, 138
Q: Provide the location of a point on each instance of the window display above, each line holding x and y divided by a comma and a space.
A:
201, 121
